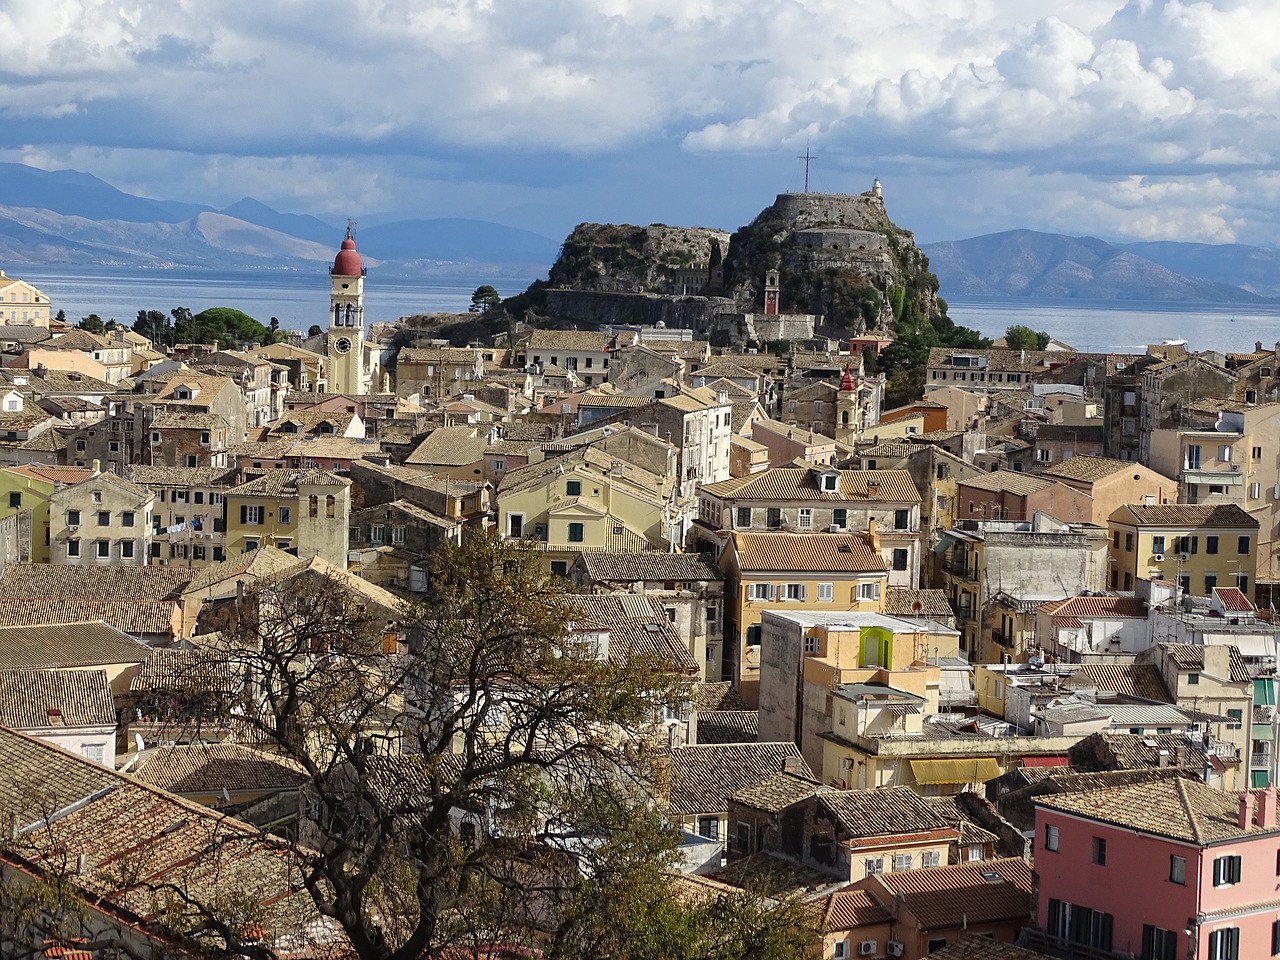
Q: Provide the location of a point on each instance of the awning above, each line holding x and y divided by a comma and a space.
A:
977, 770
1208, 476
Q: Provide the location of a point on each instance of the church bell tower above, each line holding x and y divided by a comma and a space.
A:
345, 340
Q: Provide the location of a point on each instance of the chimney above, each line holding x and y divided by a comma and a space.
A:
1162, 758
1257, 346
873, 538
1267, 808
793, 765
1245, 820
97, 467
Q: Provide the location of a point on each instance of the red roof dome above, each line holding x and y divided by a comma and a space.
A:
846, 382
347, 262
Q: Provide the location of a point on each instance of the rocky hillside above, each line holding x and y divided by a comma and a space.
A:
612, 258
838, 256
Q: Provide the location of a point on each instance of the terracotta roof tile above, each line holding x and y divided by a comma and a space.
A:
57, 582
720, 695
1185, 515
33, 699
211, 767
885, 811
1177, 808
1106, 606
1087, 469
793, 483
1190, 656
704, 777
728, 726
807, 552
1140, 680
776, 792
67, 646
631, 567
953, 895
849, 910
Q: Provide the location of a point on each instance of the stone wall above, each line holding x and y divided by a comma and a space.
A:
593, 308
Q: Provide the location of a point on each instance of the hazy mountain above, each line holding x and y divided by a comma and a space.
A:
66, 217
1024, 263
81, 195
1256, 269
209, 239
304, 226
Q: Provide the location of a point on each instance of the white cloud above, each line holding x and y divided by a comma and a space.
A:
434, 101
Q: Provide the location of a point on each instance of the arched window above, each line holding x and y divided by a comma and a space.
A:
844, 418
313, 506
330, 502
337, 314
351, 313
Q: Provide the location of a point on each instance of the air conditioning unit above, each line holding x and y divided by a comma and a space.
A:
835, 528
73, 527
866, 948
1184, 557
894, 948
1158, 557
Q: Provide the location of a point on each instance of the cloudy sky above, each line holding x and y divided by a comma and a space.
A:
1148, 119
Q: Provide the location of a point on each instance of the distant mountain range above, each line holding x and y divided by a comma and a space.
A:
72, 218
1024, 263
66, 217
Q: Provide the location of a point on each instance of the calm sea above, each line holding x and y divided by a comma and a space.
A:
296, 299
301, 299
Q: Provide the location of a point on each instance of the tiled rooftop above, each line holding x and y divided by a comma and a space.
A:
807, 552
704, 777
790, 483
212, 767
1181, 809
961, 894
67, 646
34, 699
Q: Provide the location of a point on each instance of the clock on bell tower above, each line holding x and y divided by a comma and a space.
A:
345, 339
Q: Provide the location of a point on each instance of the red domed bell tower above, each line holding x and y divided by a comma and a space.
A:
345, 341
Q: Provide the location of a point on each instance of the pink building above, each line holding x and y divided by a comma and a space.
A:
1169, 870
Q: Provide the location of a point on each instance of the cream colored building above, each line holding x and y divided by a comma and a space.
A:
585, 500
21, 304
101, 521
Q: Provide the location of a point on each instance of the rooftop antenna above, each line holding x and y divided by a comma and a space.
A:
807, 158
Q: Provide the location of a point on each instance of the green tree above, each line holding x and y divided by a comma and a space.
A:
61, 316
1021, 337
156, 327
314, 330
92, 323
484, 299
505, 716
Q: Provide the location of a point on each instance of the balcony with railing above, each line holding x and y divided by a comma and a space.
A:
959, 569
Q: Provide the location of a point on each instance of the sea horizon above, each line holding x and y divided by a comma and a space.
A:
299, 298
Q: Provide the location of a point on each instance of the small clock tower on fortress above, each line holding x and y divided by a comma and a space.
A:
345, 340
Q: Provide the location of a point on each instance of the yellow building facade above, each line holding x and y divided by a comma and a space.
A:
1198, 546
817, 572
27, 488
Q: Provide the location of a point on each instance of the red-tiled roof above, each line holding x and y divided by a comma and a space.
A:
1087, 607
813, 552
1233, 600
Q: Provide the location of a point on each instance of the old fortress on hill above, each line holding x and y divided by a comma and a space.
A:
986, 673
